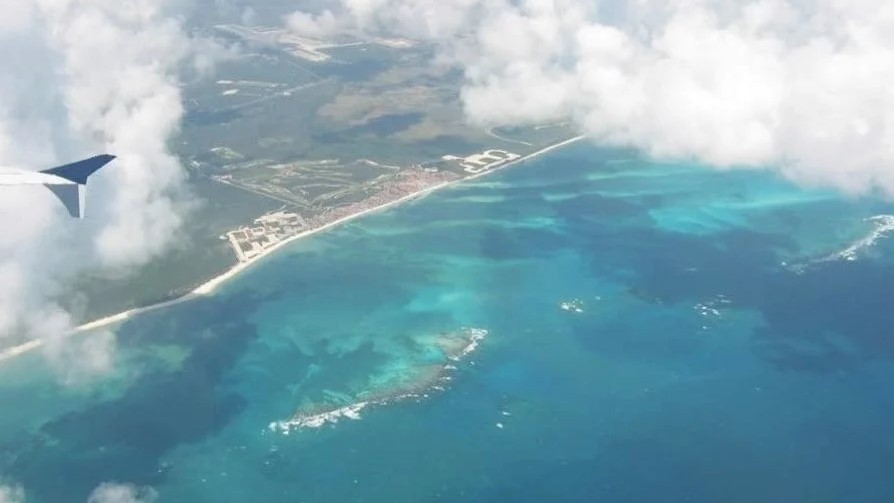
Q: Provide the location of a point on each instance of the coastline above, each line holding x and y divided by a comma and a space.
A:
210, 286
10, 353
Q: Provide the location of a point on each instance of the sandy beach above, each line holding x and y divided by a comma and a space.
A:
12, 352
211, 285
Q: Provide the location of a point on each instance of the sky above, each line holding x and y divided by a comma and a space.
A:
798, 86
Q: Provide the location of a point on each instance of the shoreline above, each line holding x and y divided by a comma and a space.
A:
209, 287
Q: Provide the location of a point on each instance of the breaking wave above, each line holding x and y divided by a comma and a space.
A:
455, 347
883, 225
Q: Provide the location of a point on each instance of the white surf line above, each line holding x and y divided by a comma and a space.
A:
10, 353
884, 224
211, 285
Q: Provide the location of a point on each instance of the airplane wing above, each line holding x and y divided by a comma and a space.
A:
68, 182
13, 176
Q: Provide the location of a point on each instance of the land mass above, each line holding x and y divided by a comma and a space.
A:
292, 137
409, 188
276, 144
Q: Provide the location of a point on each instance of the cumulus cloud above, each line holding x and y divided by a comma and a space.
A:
12, 494
319, 25
77, 78
121, 493
79, 359
802, 86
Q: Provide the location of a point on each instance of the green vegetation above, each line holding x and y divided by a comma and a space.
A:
312, 126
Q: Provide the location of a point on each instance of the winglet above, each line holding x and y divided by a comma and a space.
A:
73, 195
78, 172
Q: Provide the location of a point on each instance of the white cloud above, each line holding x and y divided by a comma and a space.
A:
802, 86
110, 492
78, 78
77, 359
319, 25
249, 16
12, 494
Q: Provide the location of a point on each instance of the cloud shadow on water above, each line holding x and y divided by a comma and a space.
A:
827, 318
125, 438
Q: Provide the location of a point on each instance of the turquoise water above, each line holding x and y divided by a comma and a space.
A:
715, 357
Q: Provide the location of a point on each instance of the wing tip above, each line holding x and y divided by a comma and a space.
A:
79, 171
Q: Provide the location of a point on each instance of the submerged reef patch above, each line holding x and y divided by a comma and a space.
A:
418, 383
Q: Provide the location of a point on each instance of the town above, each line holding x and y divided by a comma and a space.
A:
479, 163
250, 242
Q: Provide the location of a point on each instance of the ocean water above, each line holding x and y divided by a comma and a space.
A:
655, 333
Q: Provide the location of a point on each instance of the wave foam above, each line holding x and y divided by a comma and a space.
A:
438, 381
884, 224
575, 305
316, 420
475, 336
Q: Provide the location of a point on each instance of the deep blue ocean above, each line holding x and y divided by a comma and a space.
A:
656, 333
